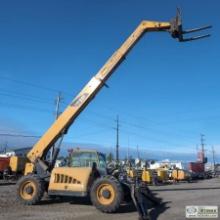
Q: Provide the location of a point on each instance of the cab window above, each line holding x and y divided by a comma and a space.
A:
102, 161
83, 159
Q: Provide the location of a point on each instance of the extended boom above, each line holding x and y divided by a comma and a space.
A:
61, 125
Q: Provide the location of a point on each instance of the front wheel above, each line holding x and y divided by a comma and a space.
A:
106, 194
30, 189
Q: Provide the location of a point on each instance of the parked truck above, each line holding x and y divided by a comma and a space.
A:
12, 168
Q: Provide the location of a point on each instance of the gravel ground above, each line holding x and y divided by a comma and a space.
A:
175, 198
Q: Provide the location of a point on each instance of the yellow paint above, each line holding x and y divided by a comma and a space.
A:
179, 174
146, 176
28, 168
130, 173
91, 89
23, 190
17, 164
102, 200
80, 178
162, 175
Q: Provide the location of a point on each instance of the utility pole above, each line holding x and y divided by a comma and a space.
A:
202, 139
57, 104
213, 156
57, 113
202, 142
117, 139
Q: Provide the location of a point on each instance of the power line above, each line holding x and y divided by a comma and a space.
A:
130, 132
24, 107
30, 84
98, 123
98, 114
38, 109
142, 127
24, 98
13, 92
19, 135
139, 126
148, 138
155, 123
91, 133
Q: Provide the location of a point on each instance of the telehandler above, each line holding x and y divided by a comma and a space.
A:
106, 191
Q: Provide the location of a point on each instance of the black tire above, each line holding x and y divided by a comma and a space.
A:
30, 189
110, 202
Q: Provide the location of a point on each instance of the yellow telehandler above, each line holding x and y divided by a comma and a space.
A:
106, 191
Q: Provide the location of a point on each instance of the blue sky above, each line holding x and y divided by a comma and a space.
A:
166, 93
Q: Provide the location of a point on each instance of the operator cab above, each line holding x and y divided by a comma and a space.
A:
87, 158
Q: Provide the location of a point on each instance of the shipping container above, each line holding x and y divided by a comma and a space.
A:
197, 167
4, 163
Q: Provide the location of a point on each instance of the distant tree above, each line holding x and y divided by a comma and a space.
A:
110, 157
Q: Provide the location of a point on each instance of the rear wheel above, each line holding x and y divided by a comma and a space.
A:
30, 189
106, 194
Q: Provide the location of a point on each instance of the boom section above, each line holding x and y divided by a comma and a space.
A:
61, 125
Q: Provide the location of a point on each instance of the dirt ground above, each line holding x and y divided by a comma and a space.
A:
175, 198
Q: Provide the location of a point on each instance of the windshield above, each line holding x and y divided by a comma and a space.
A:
86, 159
83, 159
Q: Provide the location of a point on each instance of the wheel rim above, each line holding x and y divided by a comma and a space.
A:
27, 190
104, 189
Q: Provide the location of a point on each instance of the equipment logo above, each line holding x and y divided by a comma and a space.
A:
79, 100
201, 211
192, 210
